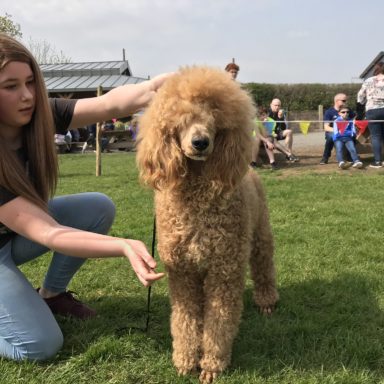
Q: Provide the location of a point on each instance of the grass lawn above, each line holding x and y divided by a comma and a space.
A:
328, 327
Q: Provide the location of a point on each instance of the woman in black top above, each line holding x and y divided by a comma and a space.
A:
32, 221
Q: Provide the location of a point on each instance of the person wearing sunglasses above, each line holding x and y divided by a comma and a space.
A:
330, 115
344, 132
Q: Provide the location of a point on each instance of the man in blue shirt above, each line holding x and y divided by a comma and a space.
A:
330, 115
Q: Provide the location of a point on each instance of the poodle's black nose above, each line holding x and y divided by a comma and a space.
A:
200, 143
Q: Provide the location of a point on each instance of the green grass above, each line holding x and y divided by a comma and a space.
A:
328, 327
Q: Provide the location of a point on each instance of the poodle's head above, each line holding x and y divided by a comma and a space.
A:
198, 124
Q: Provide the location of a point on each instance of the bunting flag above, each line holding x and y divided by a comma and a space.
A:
304, 125
361, 125
341, 126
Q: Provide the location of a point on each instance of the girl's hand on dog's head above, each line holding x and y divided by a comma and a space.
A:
142, 262
157, 81
153, 85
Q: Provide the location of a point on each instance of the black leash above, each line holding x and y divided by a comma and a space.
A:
123, 330
150, 287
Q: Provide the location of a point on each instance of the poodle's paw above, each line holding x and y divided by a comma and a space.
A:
207, 377
267, 310
212, 366
186, 365
186, 371
266, 301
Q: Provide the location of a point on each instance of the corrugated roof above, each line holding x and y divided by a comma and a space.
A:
88, 76
87, 68
88, 83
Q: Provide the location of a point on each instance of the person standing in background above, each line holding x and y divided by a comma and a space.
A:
372, 95
233, 69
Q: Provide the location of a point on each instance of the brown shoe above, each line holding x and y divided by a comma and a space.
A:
65, 304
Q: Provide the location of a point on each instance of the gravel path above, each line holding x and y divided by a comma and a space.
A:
312, 139
309, 148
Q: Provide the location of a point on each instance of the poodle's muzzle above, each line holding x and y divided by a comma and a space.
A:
197, 142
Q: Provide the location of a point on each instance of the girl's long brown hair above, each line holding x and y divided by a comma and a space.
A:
38, 183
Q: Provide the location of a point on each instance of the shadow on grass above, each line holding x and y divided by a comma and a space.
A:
118, 319
318, 326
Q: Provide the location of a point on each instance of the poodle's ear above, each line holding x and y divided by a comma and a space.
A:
230, 159
159, 158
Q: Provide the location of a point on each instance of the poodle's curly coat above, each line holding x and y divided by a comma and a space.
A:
194, 148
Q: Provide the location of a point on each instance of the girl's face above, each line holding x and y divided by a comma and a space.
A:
17, 96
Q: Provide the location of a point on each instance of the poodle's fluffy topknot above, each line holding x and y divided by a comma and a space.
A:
196, 93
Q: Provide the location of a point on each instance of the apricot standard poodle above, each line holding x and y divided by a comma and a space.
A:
194, 148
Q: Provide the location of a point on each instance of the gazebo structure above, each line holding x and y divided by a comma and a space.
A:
80, 80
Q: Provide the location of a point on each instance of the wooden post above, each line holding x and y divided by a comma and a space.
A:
321, 116
98, 138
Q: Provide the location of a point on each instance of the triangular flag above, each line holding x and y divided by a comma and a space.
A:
342, 125
304, 125
361, 125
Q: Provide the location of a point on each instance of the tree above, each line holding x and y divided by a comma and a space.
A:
8, 26
45, 53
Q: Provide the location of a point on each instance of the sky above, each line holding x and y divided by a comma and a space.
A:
273, 41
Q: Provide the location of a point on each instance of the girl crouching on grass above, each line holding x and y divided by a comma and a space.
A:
74, 227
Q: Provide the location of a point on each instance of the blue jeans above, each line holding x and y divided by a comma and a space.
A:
349, 144
376, 130
328, 145
28, 330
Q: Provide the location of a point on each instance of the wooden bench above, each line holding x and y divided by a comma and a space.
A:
118, 140
121, 140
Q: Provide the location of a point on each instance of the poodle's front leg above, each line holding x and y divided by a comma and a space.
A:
186, 294
223, 308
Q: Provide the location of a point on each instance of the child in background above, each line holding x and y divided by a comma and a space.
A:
344, 132
263, 132
268, 129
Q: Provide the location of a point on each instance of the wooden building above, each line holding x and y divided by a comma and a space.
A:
80, 80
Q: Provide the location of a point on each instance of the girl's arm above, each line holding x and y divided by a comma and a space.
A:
28, 220
119, 102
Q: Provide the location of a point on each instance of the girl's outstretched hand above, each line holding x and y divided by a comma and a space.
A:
142, 262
